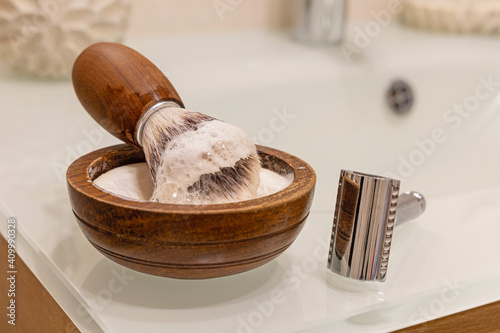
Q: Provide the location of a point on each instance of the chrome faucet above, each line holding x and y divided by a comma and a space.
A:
319, 22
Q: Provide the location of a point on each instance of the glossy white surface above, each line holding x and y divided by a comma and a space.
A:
444, 262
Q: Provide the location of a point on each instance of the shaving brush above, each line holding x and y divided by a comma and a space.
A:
193, 158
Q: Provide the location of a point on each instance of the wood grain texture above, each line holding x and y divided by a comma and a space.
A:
483, 319
116, 85
189, 241
36, 310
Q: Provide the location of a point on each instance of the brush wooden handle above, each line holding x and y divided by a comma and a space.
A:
116, 85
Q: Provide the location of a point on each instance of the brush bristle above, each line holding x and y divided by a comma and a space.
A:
162, 127
196, 159
230, 184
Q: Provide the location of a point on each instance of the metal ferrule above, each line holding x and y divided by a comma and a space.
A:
139, 130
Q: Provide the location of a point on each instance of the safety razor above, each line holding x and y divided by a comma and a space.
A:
367, 210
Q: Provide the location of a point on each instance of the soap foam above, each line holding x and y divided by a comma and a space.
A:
133, 182
271, 182
212, 146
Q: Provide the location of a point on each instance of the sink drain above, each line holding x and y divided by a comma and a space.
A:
400, 97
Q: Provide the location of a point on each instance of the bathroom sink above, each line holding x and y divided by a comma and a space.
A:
335, 114
331, 112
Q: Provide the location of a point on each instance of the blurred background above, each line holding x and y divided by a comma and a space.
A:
153, 17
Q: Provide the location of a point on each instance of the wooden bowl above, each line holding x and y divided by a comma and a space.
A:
189, 241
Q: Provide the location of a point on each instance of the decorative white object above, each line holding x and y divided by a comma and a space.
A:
458, 16
44, 37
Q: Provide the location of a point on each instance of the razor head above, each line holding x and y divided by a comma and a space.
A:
365, 215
